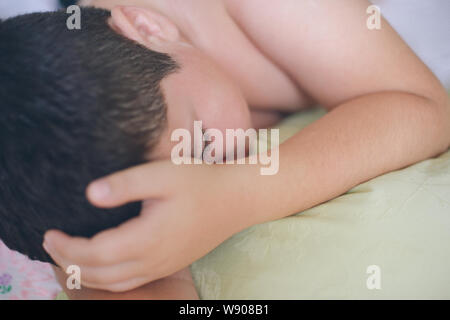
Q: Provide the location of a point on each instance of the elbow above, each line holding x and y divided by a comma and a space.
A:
440, 115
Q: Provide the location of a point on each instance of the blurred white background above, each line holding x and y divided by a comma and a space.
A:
424, 24
9, 8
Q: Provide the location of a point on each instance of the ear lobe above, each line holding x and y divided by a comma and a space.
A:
143, 25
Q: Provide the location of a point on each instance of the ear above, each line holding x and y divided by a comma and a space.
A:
144, 26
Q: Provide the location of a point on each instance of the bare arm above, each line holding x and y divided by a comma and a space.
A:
387, 109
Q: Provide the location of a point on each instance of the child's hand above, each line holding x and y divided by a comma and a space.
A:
193, 209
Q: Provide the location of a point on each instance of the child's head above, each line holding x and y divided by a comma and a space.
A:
74, 106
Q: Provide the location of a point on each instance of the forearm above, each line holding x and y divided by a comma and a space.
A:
357, 141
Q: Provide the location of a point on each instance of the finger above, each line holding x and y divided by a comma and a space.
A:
134, 184
109, 247
57, 238
102, 276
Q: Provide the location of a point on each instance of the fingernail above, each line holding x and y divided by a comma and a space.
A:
99, 189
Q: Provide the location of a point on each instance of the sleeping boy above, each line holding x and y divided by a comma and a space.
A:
70, 115
110, 95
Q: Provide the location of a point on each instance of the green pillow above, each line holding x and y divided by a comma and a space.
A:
398, 223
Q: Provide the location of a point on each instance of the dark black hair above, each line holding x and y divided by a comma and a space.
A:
75, 105
67, 3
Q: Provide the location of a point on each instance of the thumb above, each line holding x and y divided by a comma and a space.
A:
135, 184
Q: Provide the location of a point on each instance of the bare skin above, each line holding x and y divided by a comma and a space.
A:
179, 286
386, 111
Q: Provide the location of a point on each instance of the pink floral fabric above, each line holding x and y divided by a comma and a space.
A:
23, 279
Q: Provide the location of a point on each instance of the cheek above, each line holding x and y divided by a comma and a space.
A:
227, 114
221, 104
233, 116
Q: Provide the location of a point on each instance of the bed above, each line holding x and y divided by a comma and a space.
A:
397, 225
